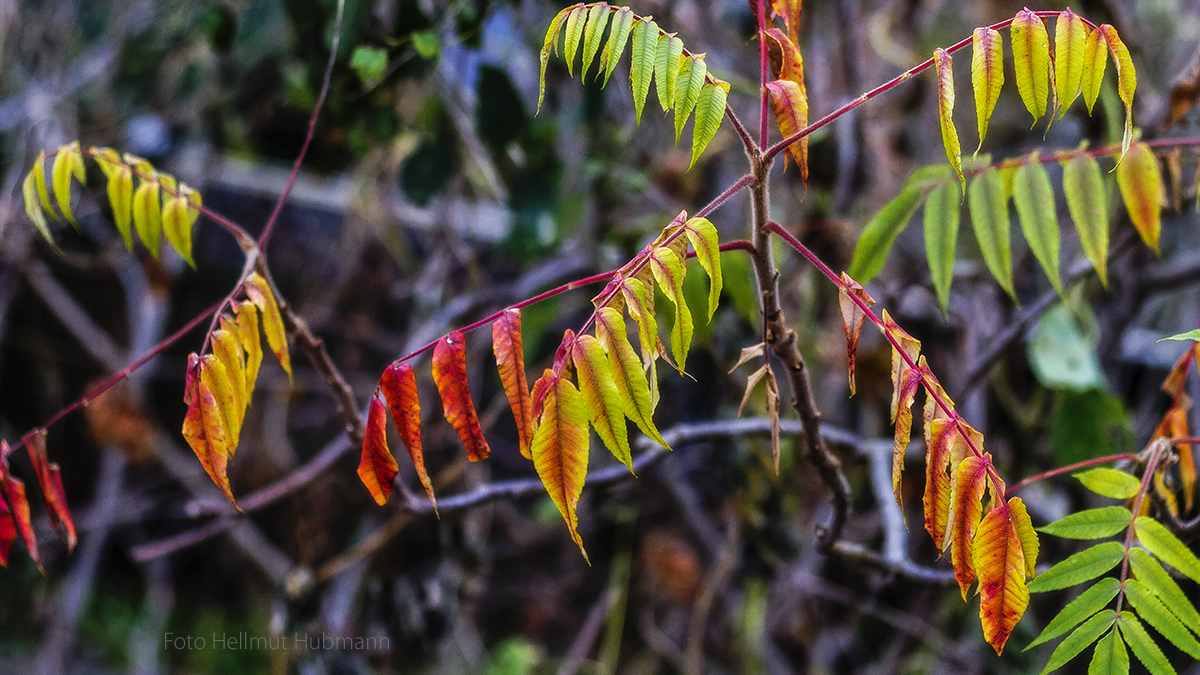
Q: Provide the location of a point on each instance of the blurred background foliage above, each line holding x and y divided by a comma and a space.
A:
432, 196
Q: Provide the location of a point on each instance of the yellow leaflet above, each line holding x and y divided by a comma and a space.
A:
247, 329
67, 163
668, 272
1031, 61
560, 448
1140, 181
574, 31
215, 377
272, 322
1070, 43
703, 237
1095, 58
544, 56
147, 215
910, 383
596, 383
33, 209
942, 435
204, 431
1126, 79
39, 181
120, 197
945, 86
627, 372
228, 350
790, 105
987, 75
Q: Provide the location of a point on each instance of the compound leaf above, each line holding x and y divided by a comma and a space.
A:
1086, 604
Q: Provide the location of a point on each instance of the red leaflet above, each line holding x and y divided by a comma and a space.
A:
8, 532
377, 468
450, 374
50, 481
999, 555
399, 385
852, 318
17, 513
510, 361
968, 489
203, 429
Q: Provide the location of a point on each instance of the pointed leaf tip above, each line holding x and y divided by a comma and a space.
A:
377, 469
399, 387
450, 375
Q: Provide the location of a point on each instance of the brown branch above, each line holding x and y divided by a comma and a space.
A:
783, 344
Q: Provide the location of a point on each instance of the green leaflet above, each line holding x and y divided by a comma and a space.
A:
1090, 524
941, 236
687, 90
1110, 657
987, 200
1088, 205
147, 215
703, 237
668, 272
1076, 642
597, 21
1034, 199
710, 112
881, 232
39, 181
33, 208
1143, 646
68, 163
641, 63
547, 46
618, 36
1141, 186
987, 75
1031, 61
1087, 564
574, 31
177, 218
1159, 541
1126, 79
1085, 605
666, 70
1193, 334
1160, 618
627, 372
1155, 578
595, 375
1109, 482
945, 92
1095, 58
1070, 41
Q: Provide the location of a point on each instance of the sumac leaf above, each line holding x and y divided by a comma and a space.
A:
945, 93
666, 69
987, 75
399, 387
560, 448
1140, 181
790, 106
50, 481
1080, 567
260, 294
999, 560
595, 374
1034, 199
1088, 205
1031, 61
941, 221
377, 468
450, 375
967, 491
988, 203
203, 430
510, 361
1070, 42
1094, 599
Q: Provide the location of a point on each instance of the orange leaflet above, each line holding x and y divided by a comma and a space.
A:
202, 427
399, 385
1174, 424
942, 435
450, 375
510, 361
999, 557
789, 11
791, 115
50, 480
560, 447
15, 515
377, 468
852, 319
911, 347
966, 494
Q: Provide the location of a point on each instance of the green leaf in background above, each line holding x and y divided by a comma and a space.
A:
1090, 524
881, 232
987, 199
941, 236
1088, 204
427, 44
1078, 610
1088, 424
1159, 540
1109, 482
1034, 199
1087, 564
1076, 642
369, 63
1190, 335
1061, 355
1152, 574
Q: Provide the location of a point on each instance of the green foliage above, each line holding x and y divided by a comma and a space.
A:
1109, 483
1090, 524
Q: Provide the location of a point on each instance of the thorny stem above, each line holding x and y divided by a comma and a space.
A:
782, 145
1067, 469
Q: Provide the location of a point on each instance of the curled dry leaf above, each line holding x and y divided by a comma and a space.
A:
510, 361
377, 469
50, 481
450, 375
399, 386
